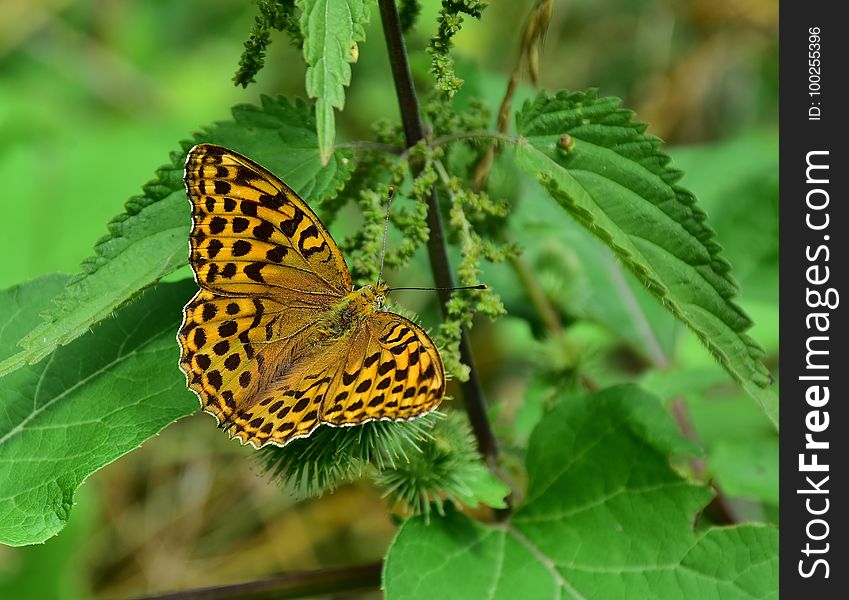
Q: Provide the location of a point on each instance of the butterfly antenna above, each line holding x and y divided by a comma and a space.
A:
390, 194
481, 286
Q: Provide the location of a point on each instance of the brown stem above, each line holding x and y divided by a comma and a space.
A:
535, 27
537, 296
293, 585
719, 509
436, 245
484, 164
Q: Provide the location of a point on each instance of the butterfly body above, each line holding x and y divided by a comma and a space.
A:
277, 341
352, 310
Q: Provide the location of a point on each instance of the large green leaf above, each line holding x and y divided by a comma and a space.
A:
598, 164
331, 31
150, 239
605, 517
85, 405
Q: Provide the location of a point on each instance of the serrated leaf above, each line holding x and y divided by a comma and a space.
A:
150, 239
748, 226
605, 517
84, 406
598, 164
331, 31
21, 306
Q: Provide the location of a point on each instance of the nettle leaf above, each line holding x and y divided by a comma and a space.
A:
748, 226
599, 165
605, 517
150, 239
331, 31
84, 406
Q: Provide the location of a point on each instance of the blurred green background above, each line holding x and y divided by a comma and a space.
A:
93, 97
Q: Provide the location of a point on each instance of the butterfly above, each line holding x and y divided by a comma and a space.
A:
277, 341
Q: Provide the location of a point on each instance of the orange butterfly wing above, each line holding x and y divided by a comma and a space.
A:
254, 344
386, 369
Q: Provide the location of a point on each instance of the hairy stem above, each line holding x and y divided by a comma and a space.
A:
436, 245
498, 136
293, 585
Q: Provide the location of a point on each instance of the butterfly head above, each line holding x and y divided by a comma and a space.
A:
363, 301
377, 293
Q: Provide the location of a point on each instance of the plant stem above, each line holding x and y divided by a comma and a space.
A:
536, 294
436, 245
293, 585
365, 145
719, 509
482, 134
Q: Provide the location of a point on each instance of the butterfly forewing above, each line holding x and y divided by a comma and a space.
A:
254, 347
253, 233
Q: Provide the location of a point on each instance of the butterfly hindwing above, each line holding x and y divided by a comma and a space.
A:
393, 372
231, 347
253, 235
386, 369
289, 407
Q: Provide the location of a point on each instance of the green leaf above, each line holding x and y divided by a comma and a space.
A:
84, 406
748, 227
747, 469
331, 31
20, 308
65, 558
483, 488
598, 164
605, 517
150, 239
740, 443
